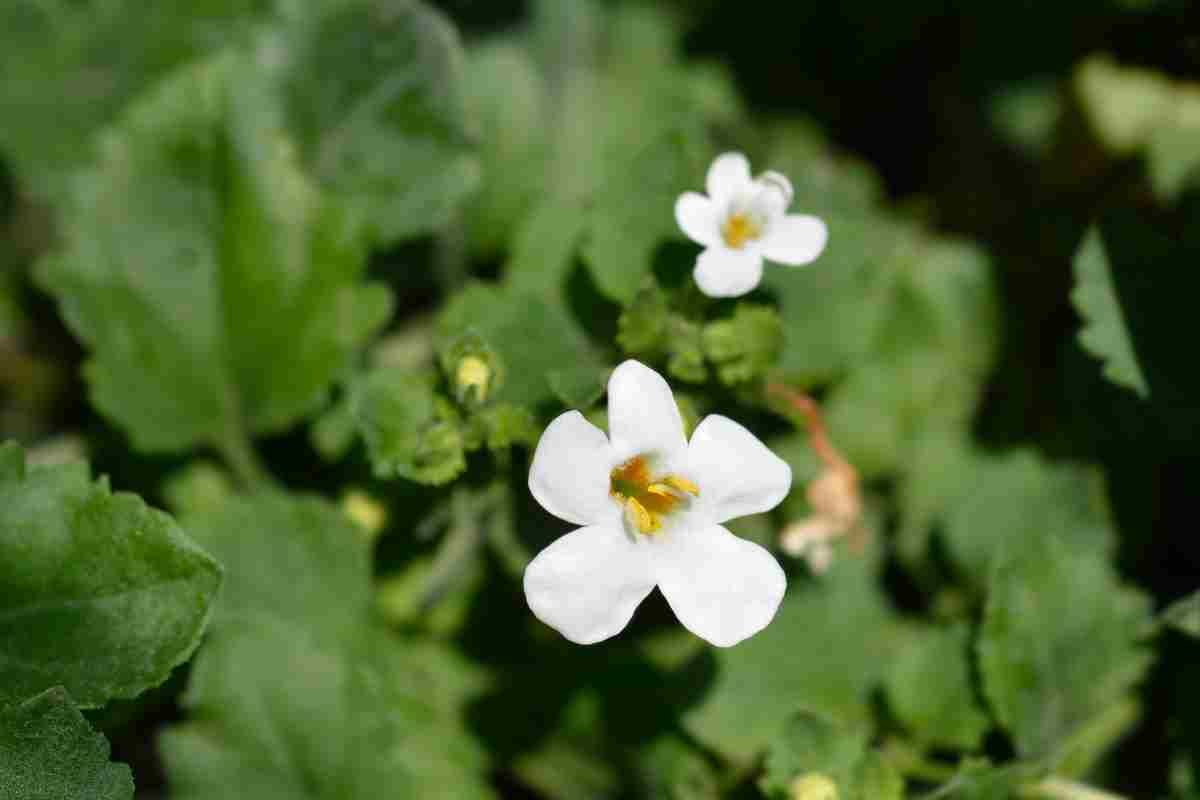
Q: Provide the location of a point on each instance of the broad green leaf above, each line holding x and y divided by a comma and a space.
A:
1059, 642
49, 752
200, 486
279, 715
673, 769
222, 294
532, 337
825, 651
1184, 614
1105, 333
978, 779
374, 93
98, 593
811, 747
1006, 505
291, 557
68, 68
508, 98
409, 430
929, 689
578, 387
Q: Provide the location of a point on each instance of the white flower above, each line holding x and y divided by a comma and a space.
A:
741, 221
652, 505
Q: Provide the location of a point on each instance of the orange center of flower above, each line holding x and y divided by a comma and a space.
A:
738, 229
647, 500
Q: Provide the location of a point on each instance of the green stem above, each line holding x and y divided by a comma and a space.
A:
913, 763
243, 461
1063, 789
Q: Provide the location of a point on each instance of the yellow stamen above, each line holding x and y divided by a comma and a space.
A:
738, 229
647, 501
682, 484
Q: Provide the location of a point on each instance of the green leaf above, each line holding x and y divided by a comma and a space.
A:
1105, 333
49, 752
508, 97
578, 387
278, 714
1007, 504
978, 779
810, 746
532, 337
222, 294
763, 681
1184, 615
929, 689
1059, 642
288, 556
93, 58
745, 346
98, 593
375, 95
410, 432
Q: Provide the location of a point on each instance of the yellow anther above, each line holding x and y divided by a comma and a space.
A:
682, 485
660, 489
738, 229
642, 519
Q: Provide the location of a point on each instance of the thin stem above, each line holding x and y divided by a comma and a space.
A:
818, 435
1063, 789
243, 461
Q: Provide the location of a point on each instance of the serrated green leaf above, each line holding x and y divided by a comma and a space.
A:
222, 294
1105, 333
93, 58
281, 715
410, 432
1005, 505
532, 337
49, 752
98, 593
763, 681
745, 346
1184, 615
375, 95
291, 557
929, 689
1059, 642
505, 425
810, 745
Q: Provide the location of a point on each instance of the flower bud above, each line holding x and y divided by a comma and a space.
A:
814, 786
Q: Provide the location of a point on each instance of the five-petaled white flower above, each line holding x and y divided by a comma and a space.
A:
652, 504
742, 220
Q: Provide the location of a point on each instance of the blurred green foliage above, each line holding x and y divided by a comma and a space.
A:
259, 255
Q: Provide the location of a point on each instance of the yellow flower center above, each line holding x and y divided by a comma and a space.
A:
738, 229
648, 500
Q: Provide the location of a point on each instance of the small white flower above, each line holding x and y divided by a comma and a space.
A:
741, 221
652, 505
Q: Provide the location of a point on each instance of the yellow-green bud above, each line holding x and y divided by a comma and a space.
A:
473, 373
814, 786
365, 510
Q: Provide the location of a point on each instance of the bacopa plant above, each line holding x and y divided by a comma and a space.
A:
517, 439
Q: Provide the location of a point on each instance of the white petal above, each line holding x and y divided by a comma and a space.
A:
721, 272
642, 415
569, 476
736, 472
722, 588
795, 239
697, 217
728, 177
587, 584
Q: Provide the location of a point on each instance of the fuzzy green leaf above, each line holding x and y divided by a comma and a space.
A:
1105, 333
375, 95
98, 593
281, 715
929, 689
578, 387
810, 745
222, 294
49, 752
1059, 642
290, 557
745, 346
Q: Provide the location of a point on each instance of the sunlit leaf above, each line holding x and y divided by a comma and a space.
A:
1105, 333
810, 747
98, 593
49, 752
